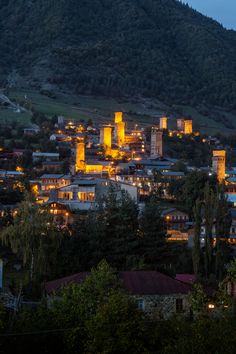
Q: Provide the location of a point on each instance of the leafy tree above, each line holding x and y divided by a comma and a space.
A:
34, 238
101, 316
198, 299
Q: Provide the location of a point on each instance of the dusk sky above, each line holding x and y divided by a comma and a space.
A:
223, 11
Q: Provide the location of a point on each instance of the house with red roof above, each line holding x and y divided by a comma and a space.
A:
157, 294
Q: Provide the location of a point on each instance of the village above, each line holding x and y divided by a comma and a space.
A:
111, 157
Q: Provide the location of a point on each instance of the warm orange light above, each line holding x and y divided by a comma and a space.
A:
35, 189
19, 169
211, 306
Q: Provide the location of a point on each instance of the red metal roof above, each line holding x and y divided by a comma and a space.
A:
135, 282
151, 283
55, 285
186, 278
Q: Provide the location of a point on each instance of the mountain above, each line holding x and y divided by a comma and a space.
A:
153, 48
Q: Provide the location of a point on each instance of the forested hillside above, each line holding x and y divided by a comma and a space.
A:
154, 48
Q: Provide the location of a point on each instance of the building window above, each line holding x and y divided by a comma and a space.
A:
140, 304
179, 305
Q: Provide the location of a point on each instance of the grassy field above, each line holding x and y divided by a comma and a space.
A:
8, 115
101, 110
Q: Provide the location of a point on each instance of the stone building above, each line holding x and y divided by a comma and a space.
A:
156, 143
158, 295
218, 164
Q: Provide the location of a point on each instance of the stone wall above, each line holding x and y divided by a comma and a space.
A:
162, 306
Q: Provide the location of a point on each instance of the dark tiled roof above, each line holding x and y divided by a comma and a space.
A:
136, 283
186, 278
56, 285
151, 283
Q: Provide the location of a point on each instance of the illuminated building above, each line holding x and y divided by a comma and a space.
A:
180, 124
80, 156
120, 133
105, 137
218, 164
164, 123
188, 126
118, 117
156, 143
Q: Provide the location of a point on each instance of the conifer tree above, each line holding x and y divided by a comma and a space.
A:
196, 241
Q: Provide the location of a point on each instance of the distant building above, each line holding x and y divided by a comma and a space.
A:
45, 156
80, 155
34, 129
218, 164
188, 126
180, 124
156, 143
106, 137
163, 123
82, 193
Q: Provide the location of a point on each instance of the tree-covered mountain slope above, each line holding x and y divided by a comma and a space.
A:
154, 48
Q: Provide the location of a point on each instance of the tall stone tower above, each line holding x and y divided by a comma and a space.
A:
80, 155
180, 124
105, 137
188, 126
218, 164
156, 143
118, 117
120, 133
119, 128
163, 123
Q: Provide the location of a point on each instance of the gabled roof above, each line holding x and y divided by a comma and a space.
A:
135, 282
186, 278
56, 285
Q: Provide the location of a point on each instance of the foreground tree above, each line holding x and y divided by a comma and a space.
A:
34, 238
100, 314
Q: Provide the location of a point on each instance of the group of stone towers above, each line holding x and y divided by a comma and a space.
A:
119, 133
185, 126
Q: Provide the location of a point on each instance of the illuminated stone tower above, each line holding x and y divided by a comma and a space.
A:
80, 155
120, 133
180, 124
119, 128
105, 137
118, 117
218, 164
188, 126
156, 143
163, 123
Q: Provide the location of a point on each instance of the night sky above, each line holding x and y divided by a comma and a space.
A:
224, 11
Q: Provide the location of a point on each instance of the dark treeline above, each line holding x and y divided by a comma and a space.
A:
159, 48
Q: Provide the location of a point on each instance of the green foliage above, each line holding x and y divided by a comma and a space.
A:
156, 48
231, 270
34, 238
101, 315
198, 299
